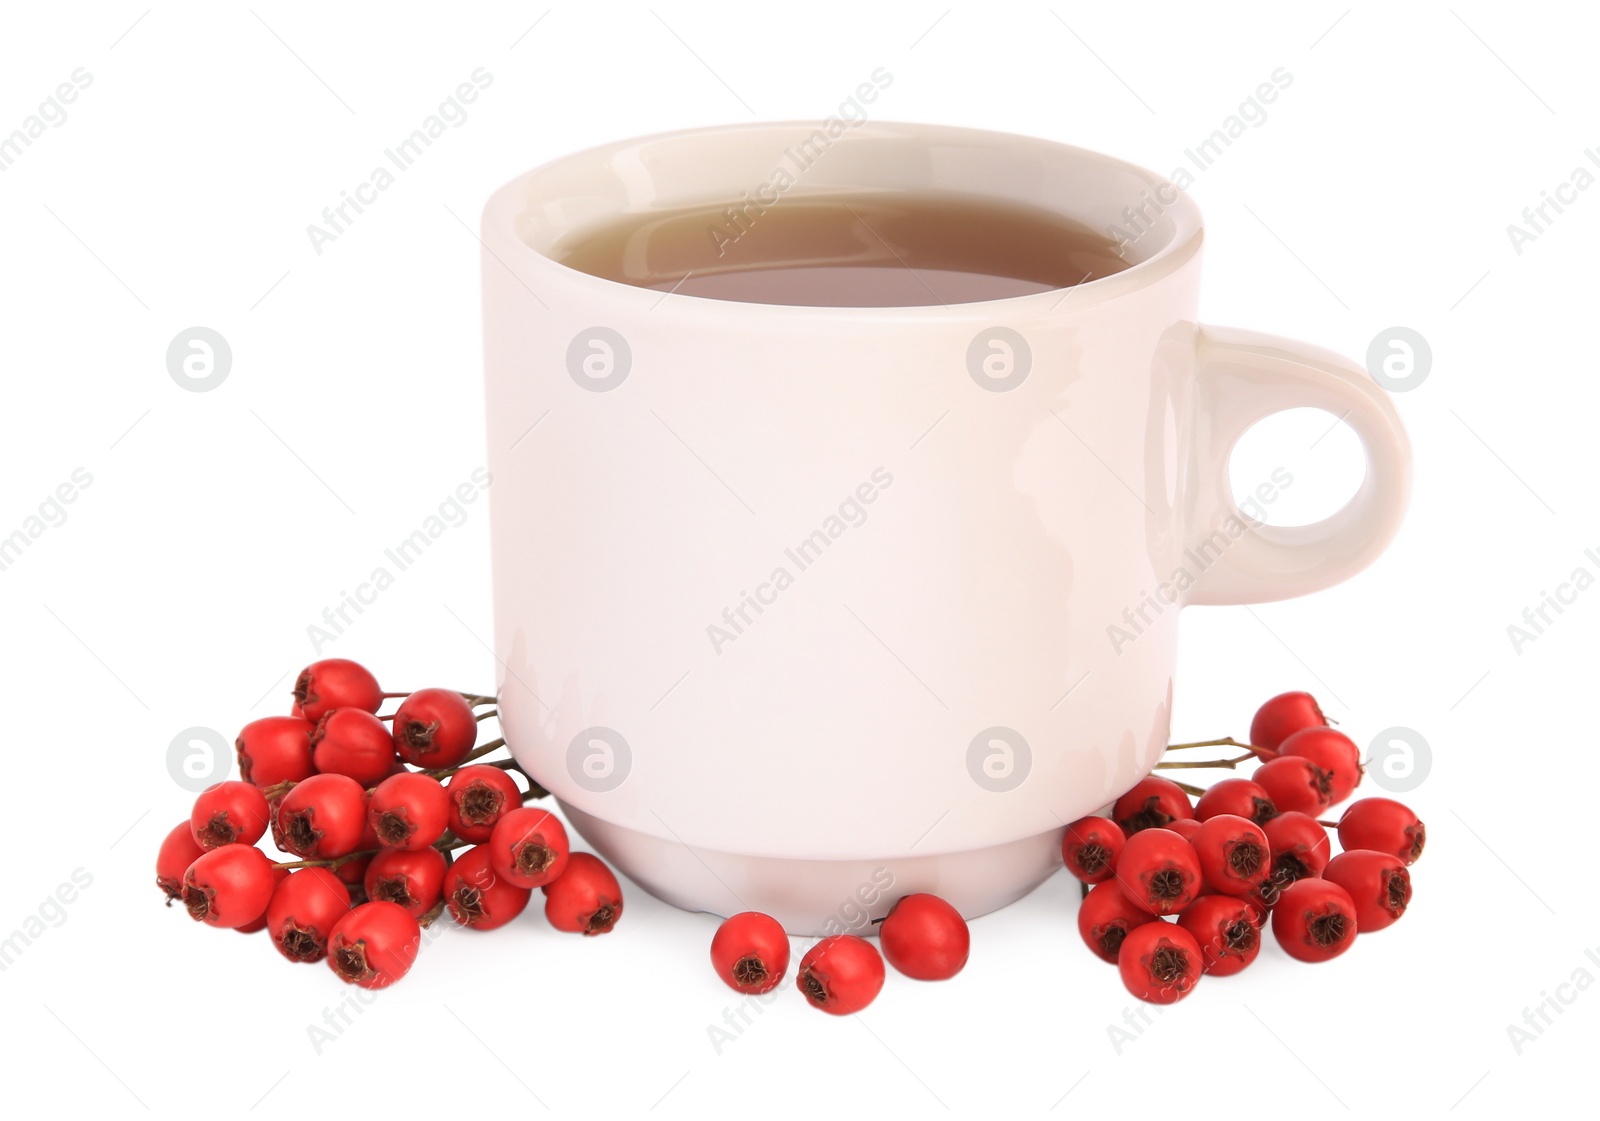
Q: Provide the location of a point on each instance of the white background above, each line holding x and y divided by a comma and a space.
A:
219, 525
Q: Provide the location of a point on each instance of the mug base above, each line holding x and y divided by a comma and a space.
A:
820, 897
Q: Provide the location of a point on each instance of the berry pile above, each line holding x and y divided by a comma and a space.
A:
372, 809
1247, 851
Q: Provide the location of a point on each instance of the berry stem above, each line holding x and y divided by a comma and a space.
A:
476, 753
431, 914
1230, 764
1192, 791
1328, 824
1225, 741
447, 843
487, 715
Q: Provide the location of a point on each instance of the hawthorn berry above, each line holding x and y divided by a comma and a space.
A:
408, 811
1235, 858
1237, 796
1378, 882
1090, 847
1186, 827
1334, 752
303, 911
585, 899
178, 851
529, 847
411, 878
1105, 917
1282, 717
840, 974
1160, 962
275, 749
1383, 825
1153, 803
353, 742
228, 886
750, 952
229, 813
1314, 920
434, 728
1299, 845
479, 795
335, 683
1227, 930
1159, 871
477, 897
925, 937
323, 818
1295, 784
374, 945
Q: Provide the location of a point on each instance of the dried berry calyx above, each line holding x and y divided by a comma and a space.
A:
1327, 930
750, 971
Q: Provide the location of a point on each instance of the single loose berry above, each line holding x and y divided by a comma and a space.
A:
229, 813
353, 742
228, 886
529, 847
750, 952
1334, 752
374, 945
1105, 917
178, 851
1227, 930
323, 818
585, 899
275, 749
479, 795
1237, 796
1090, 847
1383, 825
1314, 920
1160, 962
410, 878
434, 728
1282, 717
925, 937
1234, 855
477, 897
304, 909
841, 974
335, 683
1153, 803
1159, 871
1296, 784
1300, 848
408, 811
1378, 882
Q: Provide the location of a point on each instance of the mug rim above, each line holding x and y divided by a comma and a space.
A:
505, 204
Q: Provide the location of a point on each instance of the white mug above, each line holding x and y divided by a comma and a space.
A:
801, 610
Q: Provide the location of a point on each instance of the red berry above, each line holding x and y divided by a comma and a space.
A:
1383, 825
335, 683
374, 945
434, 728
1153, 803
1186, 827
303, 912
1282, 717
1378, 883
1234, 856
750, 952
1237, 796
350, 741
585, 899
479, 795
1227, 930
260, 924
178, 851
841, 974
1314, 920
1300, 849
528, 847
1159, 871
478, 898
1105, 917
275, 749
229, 813
1091, 846
411, 878
323, 818
228, 886
1334, 752
926, 938
1160, 962
408, 811
1296, 784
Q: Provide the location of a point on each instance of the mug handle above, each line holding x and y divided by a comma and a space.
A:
1245, 376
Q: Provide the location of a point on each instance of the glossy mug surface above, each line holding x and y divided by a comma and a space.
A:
802, 609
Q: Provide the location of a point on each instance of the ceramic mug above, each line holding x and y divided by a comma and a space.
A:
802, 609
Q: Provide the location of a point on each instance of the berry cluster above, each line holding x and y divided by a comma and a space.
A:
372, 809
1247, 851
922, 936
